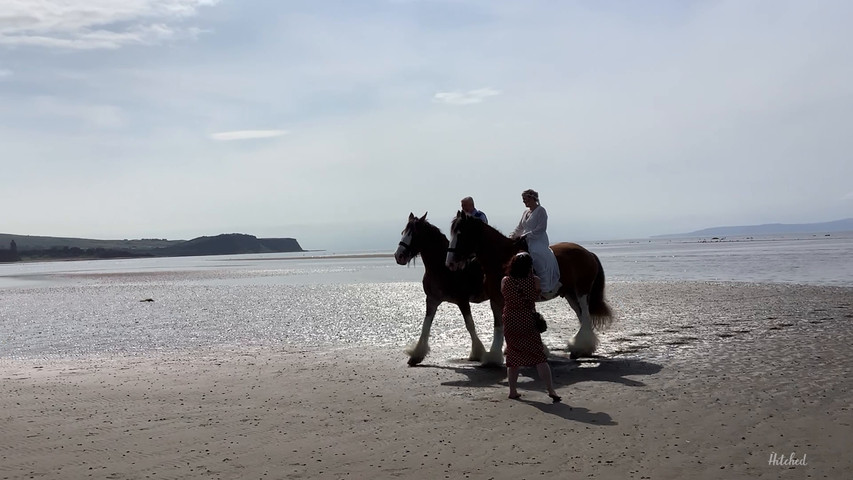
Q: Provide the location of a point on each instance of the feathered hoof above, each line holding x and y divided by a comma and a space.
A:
575, 353
415, 361
417, 353
583, 344
491, 360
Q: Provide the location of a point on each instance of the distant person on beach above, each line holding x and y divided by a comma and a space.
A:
532, 228
468, 208
524, 347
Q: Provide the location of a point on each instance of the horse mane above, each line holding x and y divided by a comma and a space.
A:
501, 246
466, 218
431, 230
432, 241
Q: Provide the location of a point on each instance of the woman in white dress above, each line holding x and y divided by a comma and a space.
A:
532, 227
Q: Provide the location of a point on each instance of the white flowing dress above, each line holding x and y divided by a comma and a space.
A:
532, 227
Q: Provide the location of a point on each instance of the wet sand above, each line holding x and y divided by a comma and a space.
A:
717, 406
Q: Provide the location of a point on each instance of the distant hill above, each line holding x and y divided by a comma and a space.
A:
229, 244
32, 242
46, 248
845, 225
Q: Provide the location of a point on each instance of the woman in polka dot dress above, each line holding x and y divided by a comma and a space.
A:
524, 348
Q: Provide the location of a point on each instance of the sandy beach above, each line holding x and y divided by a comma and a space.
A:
721, 403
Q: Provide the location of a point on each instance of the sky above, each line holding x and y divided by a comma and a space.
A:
331, 121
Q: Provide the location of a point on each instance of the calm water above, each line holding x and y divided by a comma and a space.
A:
805, 259
93, 307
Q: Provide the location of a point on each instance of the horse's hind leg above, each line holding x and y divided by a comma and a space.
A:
585, 341
418, 352
477, 348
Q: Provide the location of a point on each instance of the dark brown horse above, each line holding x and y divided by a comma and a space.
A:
581, 275
460, 287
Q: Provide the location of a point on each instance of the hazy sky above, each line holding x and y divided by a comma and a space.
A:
330, 121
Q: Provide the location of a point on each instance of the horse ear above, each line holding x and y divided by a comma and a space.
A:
424, 217
460, 214
411, 216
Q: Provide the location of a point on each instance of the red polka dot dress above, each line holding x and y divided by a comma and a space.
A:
524, 346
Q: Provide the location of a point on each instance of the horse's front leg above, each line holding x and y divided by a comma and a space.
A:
478, 351
495, 357
419, 351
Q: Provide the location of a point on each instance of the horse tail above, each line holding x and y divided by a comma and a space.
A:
599, 310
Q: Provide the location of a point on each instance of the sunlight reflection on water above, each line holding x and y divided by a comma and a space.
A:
94, 307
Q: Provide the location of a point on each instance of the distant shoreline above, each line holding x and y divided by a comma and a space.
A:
330, 256
837, 226
308, 257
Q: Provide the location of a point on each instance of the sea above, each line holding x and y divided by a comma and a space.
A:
141, 306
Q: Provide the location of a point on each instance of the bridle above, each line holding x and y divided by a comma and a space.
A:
406, 246
454, 250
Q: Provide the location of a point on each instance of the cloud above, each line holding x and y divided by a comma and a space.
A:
5, 73
247, 134
649, 103
465, 98
96, 24
849, 196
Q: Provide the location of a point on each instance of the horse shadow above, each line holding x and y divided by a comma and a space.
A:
564, 372
478, 376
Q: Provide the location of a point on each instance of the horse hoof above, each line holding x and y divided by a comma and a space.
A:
415, 361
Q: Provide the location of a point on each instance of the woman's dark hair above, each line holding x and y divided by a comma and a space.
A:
520, 265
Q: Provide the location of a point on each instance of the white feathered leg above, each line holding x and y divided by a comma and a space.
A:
585, 341
419, 351
495, 356
478, 351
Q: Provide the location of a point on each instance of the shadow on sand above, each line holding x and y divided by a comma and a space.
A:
565, 372
568, 412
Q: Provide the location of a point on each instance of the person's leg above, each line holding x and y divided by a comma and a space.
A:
545, 373
512, 379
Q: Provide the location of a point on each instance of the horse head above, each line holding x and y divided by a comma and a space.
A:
409, 246
465, 234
